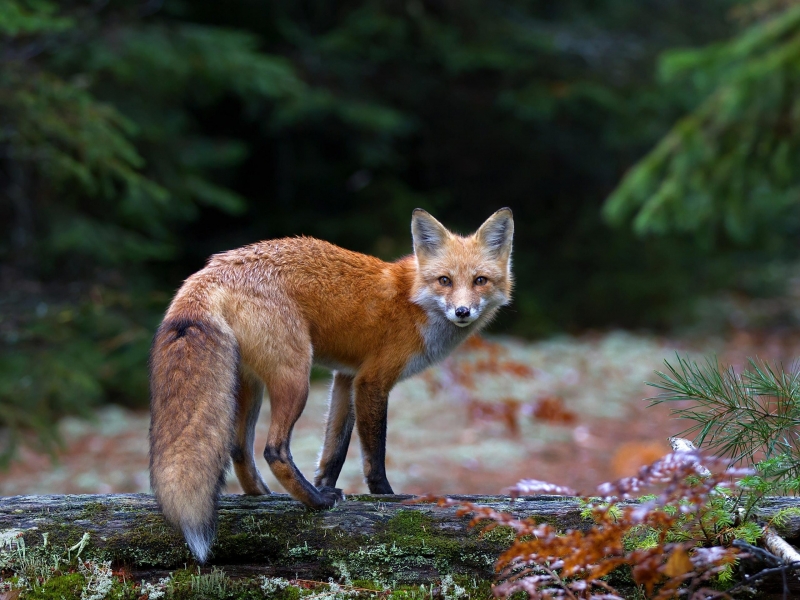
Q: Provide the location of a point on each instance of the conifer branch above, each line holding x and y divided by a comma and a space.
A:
750, 417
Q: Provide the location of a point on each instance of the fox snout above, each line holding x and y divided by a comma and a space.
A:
463, 313
462, 316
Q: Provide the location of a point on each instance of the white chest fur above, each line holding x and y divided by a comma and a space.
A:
440, 337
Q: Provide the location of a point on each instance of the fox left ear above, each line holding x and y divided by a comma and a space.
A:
427, 233
497, 232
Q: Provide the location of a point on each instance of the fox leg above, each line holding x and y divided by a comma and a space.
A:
248, 399
288, 399
338, 429
372, 403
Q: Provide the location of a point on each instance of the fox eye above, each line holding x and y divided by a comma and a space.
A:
444, 280
481, 280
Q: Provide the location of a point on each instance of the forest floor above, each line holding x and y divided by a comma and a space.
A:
568, 410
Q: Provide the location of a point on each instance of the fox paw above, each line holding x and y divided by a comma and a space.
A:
380, 487
331, 495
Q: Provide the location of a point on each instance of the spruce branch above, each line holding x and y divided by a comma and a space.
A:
750, 417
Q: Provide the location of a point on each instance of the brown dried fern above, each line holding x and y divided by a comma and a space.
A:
545, 563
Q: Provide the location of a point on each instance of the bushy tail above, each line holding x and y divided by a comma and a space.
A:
193, 378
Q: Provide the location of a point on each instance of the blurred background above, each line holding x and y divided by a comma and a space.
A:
648, 149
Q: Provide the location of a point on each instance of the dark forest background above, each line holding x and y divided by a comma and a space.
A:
649, 150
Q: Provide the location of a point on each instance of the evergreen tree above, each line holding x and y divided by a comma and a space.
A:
727, 171
140, 137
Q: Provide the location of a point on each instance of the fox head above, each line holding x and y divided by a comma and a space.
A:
465, 278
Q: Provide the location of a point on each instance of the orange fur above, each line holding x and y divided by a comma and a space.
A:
257, 317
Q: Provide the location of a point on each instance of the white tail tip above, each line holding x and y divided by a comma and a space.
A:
199, 542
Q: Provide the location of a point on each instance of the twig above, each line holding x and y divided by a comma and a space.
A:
764, 556
680, 444
780, 547
750, 579
782, 566
554, 575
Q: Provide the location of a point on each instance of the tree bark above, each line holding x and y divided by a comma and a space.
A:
376, 538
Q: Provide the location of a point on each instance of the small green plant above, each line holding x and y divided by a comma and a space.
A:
155, 591
751, 417
46, 571
99, 579
32, 567
215, 584
450, 589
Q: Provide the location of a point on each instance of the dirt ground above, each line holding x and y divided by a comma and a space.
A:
569, 410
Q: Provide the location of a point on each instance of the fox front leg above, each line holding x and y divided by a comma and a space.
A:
338, 430
371, 403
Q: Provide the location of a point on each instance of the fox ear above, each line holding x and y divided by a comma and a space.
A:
497, 232
428, 234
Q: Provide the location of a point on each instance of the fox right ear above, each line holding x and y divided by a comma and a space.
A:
428, 234
497, 232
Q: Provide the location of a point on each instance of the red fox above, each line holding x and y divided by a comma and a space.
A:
257, 317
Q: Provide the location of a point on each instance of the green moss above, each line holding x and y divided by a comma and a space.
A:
61, 587
474, 590
182, 577
96, 512
503, 534
391, 499
289, 593
367, 585
416, 530
412, 547
405, 545
215, 584
152, 542
410, 522
295, 534
477, 589
62, 535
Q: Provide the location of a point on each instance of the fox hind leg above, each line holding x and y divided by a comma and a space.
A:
338, 430
248, 399
288, 396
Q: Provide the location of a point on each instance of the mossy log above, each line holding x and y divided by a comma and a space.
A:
371, 537
368, 537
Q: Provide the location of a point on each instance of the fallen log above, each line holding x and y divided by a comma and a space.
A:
370, 537
376, 538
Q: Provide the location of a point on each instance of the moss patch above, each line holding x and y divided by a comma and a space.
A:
60, 587
411, 547
152, 542
96, 512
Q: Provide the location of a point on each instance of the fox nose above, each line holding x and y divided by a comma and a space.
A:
462, 312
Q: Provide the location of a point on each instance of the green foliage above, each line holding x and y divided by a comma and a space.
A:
781, 518
27, 17
65, 357
752, 416
135, 144
98, 180
728, 168
716, 522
